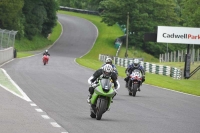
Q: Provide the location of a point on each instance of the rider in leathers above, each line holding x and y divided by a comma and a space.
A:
131, 68
109, 61
46, 53
104, 72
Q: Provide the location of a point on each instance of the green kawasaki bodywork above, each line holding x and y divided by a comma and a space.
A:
99, 92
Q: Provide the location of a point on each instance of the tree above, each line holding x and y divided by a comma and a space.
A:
35, 15
51, 7
40, 17
11, 16
64, 3
191, 13
93, 4
145, 16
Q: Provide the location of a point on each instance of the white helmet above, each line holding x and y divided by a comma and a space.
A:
46, 51
107, 70
108, 61
136, 63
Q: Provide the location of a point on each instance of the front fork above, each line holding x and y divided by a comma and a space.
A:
93, 100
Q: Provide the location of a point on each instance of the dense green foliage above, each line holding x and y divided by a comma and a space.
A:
144, 17
27, 47
81, 4
28, 17
40, 17
11, 17
191, 13
33, 17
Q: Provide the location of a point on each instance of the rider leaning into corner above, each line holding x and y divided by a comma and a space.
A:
105, 72
131, 68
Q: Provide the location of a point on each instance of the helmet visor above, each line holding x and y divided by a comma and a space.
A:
109, 63
136, 64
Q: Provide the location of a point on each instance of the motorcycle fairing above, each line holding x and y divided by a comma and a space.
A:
103, 83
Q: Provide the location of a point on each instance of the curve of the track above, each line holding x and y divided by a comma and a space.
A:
60, 89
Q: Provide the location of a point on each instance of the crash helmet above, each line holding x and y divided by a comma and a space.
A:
136, 63
46, 51
107, 70
109, 61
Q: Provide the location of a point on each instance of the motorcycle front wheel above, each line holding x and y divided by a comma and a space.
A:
45, 62
101, 108
134, 89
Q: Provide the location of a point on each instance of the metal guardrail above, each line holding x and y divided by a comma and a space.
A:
7, 38
79, 10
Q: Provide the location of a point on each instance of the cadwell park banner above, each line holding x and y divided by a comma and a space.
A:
182, 35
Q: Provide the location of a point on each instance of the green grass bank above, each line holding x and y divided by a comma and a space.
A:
105, 45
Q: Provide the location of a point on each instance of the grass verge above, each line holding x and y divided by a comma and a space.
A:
104, 45
27, 47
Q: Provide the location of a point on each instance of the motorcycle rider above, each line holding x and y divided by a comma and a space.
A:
131, 68
105, 72
46, 53
109, 61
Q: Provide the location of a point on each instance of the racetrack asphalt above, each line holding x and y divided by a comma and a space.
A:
59, 91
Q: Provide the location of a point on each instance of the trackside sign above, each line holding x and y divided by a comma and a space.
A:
184, 35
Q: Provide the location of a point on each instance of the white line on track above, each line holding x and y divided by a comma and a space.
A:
54, 124
24, 96
33, 104
39, 110
45, 116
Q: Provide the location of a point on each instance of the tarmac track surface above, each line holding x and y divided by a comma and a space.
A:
60, 89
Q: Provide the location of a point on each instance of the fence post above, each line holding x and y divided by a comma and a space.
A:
147, 66
160, 59
118, 61
126, 62
121, 62
174, 56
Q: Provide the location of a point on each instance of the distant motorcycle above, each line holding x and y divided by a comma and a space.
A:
134, 82
101, 98
45, 59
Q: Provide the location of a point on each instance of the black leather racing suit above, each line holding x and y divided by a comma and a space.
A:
97, 75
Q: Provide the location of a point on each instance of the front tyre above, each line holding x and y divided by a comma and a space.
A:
44, 61
134, 89
101, 108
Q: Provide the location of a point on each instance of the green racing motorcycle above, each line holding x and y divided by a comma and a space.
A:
101, 98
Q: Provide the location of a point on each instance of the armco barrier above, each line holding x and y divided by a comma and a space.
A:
6, 55
151, 68
79, 10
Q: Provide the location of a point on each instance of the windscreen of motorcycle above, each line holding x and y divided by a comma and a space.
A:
106, 84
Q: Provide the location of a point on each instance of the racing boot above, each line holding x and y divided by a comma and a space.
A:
88, 99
